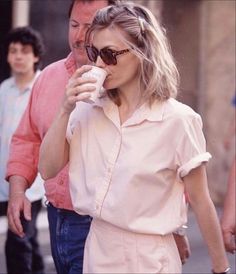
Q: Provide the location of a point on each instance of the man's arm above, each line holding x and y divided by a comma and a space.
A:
25, 143
22, 167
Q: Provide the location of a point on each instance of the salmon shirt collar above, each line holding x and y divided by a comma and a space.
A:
70, 64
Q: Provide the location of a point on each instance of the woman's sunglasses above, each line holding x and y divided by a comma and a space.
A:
108, 56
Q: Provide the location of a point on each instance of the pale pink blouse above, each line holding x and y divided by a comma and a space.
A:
130, 175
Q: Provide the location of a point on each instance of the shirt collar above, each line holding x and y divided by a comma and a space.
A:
35, 78
152, 113
156, 112
30, 84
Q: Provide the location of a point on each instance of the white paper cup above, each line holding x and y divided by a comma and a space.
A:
98, 73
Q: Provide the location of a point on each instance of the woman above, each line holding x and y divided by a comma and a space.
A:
133, 151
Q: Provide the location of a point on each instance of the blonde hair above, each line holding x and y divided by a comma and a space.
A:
159, 77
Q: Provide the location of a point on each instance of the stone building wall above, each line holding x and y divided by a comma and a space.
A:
154, 6
219, 89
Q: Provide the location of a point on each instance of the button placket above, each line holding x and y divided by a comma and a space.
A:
104, 188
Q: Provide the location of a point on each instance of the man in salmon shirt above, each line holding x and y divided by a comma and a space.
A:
68, 230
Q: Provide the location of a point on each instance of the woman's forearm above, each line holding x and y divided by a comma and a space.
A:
54, 150
203, 207
210, 228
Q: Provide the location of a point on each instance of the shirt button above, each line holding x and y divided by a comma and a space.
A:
61, 182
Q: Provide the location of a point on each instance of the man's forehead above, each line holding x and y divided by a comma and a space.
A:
84, 11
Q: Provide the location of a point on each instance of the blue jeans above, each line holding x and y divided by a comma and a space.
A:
23, 254
68, 232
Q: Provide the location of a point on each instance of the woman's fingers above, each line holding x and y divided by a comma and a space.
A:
78, 88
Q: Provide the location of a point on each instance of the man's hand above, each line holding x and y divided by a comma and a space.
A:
18, 204
183, 247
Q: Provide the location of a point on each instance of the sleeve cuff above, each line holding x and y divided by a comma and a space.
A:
193, 163
22, 170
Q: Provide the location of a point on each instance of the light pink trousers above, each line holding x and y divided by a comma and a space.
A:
109, 249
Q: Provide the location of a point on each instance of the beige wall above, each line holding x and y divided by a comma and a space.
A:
181, 19
219, 88
153, 5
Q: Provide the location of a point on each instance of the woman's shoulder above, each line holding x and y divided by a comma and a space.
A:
178, 109
179, 112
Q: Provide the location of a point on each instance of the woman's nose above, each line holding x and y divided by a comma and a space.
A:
100, 63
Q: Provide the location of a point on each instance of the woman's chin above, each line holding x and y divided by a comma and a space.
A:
106, 85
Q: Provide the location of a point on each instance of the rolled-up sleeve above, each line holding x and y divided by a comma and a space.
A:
26, 140
191, 151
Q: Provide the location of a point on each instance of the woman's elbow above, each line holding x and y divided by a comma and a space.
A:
45, 172
50, 169
46, 166
50, 165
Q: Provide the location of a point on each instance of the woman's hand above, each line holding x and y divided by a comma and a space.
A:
76, 90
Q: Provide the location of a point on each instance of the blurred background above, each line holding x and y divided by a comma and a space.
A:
202, 37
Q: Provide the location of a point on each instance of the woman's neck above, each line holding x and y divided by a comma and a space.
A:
131, 100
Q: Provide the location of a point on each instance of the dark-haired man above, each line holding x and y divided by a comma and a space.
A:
68, 230
24, 49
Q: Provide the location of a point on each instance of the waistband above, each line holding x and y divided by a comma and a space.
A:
107, 228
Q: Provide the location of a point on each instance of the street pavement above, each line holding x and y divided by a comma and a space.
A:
198, 262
